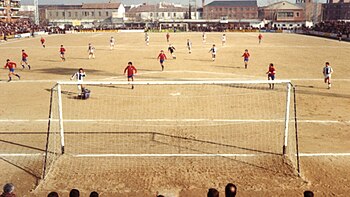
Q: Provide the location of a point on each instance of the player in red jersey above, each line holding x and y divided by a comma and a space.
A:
260, 38
167, 37
246, 56
162, 58
271, 75
131, 71
42, 40
62, 51
11, 66
24, 59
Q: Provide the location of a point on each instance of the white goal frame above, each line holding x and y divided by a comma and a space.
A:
287, 111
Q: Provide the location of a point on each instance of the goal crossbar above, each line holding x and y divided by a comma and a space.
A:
172, 82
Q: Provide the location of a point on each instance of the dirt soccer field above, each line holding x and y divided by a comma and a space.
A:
323, 114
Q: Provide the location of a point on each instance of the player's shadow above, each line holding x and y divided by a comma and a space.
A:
238, 67
315, 91
70, 71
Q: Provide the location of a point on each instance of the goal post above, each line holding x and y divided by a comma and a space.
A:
240, 119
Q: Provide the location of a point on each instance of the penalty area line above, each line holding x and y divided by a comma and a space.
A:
167, 155
175, 155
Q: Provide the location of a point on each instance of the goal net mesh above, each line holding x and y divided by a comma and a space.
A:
244, 122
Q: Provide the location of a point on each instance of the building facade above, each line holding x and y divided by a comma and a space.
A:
161, 11
9, 10
283, 15
87, 14
231, 10
336, 10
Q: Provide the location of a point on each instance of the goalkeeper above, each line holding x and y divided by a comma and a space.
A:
79, 76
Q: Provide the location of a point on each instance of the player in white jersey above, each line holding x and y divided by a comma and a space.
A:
223, 39
327, 72
204, 38
189, 46
79, 76
91, 51
111, 43
213, 51
147, 39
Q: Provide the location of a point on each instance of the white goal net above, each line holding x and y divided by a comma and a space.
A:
244, 120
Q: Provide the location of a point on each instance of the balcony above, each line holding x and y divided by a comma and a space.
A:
16, 17
15, 0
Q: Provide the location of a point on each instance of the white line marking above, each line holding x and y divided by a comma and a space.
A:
175, 155
167, 155
176, 120
121, 78
19, 154
323, 154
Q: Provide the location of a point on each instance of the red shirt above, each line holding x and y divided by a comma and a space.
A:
42, 40
10, 65
130, 70
272, 71
260, 36
24, 55
246, 55
62, 50
162, 56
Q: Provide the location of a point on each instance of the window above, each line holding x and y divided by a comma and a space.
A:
151, 14
92, 13
241, 9
56, 13
69, 14
162, 14
76, 14
99, 13
157, 14
297, 14
169, 14
220, 9
63, 14
230, 8
285, 14
106, 13
247, 9
229, 15
50, 13
174, 14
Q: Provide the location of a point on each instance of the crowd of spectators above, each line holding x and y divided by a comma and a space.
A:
19, 27
230, 191
336, 27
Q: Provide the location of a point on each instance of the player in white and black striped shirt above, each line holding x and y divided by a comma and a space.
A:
79, 76
327, 72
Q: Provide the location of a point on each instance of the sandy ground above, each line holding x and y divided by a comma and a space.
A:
323, 115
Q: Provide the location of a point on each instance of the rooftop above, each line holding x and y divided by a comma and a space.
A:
234, 3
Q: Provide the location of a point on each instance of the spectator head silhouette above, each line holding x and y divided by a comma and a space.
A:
74, 193
212, 192
308, 193
230, 190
